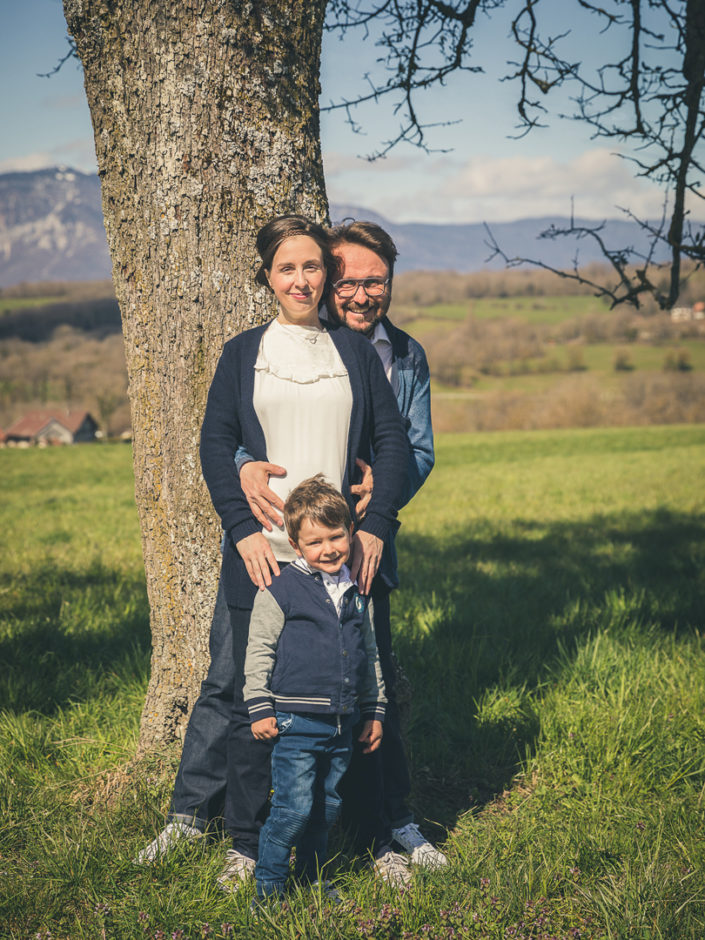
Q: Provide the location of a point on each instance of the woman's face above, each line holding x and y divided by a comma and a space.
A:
297, 277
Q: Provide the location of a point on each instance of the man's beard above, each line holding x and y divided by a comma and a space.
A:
373, 311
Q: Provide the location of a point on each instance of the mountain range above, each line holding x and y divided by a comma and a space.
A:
51, 229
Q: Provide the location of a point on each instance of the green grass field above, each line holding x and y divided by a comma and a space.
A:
538, 310
551, 623
549, 362
22, 303
597, 360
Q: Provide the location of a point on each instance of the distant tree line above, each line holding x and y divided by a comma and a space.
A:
100, 316
425, 288
71, 352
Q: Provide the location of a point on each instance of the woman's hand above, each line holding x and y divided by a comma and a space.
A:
363, 489
259, 559
254, 480
371, 736
265, 729
365, 559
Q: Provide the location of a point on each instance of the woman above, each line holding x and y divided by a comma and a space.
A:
310, 397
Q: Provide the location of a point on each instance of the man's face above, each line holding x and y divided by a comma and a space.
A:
359, 312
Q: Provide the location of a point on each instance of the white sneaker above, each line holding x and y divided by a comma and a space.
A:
392, 868
237, 870
422, 853
173, 834
327, 891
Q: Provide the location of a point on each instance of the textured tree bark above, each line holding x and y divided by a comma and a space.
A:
205, 115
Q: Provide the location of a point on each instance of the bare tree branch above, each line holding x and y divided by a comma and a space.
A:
423, 43
650, 99
71, 54
635, 271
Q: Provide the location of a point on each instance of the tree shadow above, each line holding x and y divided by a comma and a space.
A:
67, 632
482, 623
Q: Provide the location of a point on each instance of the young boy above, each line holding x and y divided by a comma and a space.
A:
311, 669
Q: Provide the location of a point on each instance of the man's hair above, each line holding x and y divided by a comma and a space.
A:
276, 231
319, 501
369, 235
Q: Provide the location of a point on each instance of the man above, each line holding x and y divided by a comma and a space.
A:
360, 299
366, 256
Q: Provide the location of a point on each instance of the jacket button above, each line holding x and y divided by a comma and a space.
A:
345, 652
347, 681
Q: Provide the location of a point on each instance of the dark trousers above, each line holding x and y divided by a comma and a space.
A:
248, 760
199, 790
376, 787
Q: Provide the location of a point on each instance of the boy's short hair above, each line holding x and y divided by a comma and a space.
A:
317, 500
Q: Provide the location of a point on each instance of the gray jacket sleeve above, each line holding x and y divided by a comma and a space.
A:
373, 700
266, 625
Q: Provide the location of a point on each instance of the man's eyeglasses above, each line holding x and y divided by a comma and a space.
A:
372, 286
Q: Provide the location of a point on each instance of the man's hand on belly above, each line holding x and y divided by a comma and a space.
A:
264, 502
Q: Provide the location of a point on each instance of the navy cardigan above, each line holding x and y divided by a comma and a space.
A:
231, 421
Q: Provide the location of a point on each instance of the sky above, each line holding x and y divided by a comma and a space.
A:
477, 171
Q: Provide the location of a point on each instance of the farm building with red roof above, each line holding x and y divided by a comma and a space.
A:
52, 426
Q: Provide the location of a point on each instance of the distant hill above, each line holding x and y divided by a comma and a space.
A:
465, 248
51, 229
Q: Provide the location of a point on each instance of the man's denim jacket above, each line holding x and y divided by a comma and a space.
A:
414, 400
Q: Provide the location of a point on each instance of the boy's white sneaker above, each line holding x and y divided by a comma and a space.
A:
392, 868
237, 870
422, 853
173, 834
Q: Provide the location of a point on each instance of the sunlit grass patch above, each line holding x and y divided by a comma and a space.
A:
550, 621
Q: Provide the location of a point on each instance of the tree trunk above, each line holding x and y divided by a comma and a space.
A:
205, 115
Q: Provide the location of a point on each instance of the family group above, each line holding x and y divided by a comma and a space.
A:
317, 430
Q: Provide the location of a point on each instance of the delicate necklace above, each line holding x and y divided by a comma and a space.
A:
307, 332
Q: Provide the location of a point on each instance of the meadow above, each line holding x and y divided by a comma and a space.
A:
516, 349
557, 361
550, 623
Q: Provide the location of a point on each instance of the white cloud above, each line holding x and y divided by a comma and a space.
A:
79, 154
597, 180
496, 189
31, 161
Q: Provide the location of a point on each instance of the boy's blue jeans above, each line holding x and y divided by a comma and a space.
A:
309, 758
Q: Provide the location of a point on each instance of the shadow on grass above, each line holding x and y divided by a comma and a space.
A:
66, 633
483, 623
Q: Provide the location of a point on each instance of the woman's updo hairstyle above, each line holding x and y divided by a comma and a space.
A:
276, 231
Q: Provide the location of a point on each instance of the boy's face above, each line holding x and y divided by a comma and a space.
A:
323, 548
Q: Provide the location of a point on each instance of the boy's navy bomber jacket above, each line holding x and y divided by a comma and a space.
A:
302, 657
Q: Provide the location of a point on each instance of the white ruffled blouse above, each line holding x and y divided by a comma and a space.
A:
303, 401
